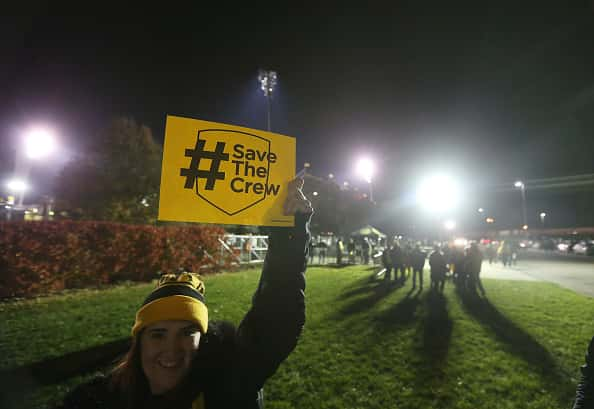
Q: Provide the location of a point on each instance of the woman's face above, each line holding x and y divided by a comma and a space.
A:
167, 349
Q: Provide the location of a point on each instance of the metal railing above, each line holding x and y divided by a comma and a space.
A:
244, 248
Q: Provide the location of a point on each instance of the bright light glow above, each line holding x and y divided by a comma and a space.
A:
438, 193
480, 210
51, 213
330, 176
315, 193
460, 242
39, 142
543, 215
490, 220
366, 169
267, 81
345, 183
17, 185
449, 224
525, 227
519, 184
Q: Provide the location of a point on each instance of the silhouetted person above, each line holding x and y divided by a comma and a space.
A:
406, 258
584, 396
339, 251
387, 263
311, 250
322, 247
417, 259
438, 266
491, 252
460, 273
351, 250
397, 261
505, 252
365, 248
472, 266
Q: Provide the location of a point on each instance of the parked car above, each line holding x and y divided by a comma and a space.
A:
564, 246
584, 247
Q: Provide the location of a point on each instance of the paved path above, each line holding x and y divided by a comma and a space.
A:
575, 275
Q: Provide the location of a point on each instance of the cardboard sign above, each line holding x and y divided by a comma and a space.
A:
218, 173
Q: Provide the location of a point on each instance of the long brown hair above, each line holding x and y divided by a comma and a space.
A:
127, 377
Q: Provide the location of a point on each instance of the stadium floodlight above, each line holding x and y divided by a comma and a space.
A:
520, 185
449, 224
17, 186
438, 193
366, 170
268, 81
39, 143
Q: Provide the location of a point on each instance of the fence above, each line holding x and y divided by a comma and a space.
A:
244, 249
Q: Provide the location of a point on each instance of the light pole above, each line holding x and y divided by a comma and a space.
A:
542, 218
267, 80
520, 185
366, 169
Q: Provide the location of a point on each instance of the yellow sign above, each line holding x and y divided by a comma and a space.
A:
218, 173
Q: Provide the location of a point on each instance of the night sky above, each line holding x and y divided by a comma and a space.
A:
488, 92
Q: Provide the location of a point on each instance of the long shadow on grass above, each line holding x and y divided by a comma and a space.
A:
436, 338
400, 314
518, 342
55, 370
377, 290
360, 286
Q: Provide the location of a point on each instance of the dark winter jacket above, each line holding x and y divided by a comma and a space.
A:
584, 397
417, 259
438, 265
473, 261
232, 365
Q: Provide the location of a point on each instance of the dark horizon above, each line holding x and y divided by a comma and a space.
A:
489, 94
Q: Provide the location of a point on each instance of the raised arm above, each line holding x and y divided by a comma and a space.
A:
269, 331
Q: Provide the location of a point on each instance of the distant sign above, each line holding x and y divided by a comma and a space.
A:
218, 173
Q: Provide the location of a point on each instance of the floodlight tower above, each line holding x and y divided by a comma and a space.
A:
520, 185
267, 80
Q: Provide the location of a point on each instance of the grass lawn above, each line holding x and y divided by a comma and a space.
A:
365, 344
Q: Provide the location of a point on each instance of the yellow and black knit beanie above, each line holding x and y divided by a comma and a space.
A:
177, 297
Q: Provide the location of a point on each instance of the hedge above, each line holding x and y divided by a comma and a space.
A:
41, 257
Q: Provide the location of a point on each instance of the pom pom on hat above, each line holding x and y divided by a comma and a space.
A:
178, 297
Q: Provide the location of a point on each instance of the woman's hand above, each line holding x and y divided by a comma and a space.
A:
296, 202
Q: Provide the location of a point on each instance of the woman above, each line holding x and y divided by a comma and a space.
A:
178, 359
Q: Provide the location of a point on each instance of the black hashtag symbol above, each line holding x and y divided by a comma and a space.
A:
193, 173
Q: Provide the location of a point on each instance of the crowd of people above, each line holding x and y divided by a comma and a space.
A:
464, 265
180, 359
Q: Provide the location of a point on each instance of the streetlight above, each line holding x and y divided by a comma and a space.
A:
481, 210
520, 185
542, 218
267, 80
366, 169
